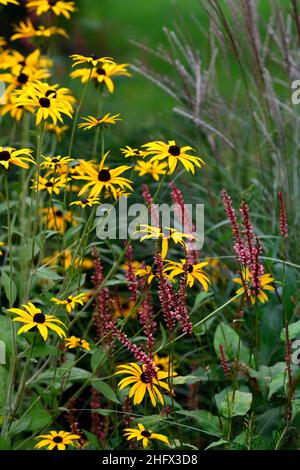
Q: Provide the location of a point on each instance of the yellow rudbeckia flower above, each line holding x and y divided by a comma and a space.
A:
33, 317
71, 301
11, 156
194, 272
102, 178
58, 7
266, 285
144, 435
174, 154
140, 385
56, 440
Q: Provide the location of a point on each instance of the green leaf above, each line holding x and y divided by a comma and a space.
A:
150, 421
271, 324
201, 298
98, 357
296, 407
6, 335
47, 273
43, 350
207, 421
9, 288
73, 374
115, 282
103, 411
277, 384
20, 426
220, 442
231, 342
163, 338
3, 385
105, 390
93, 440
187, 379
38, 419
4, 442
237, 404
269, 379
294, 330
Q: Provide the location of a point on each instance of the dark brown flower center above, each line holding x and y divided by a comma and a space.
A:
57, 439
190, 268
52, 3
58, 213
69, 300
44, 102
84, 201
174, 150
39, 318
101, 71
104, 175
51, 94
49, 184
144, 378
94, 56
55, 160
4, 156
125, 306
146, 433
22, 78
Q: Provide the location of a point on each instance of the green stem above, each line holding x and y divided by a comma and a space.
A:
37, 200
13, 363
22, 384
75, 120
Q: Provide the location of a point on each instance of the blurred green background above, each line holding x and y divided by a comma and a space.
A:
108, 27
